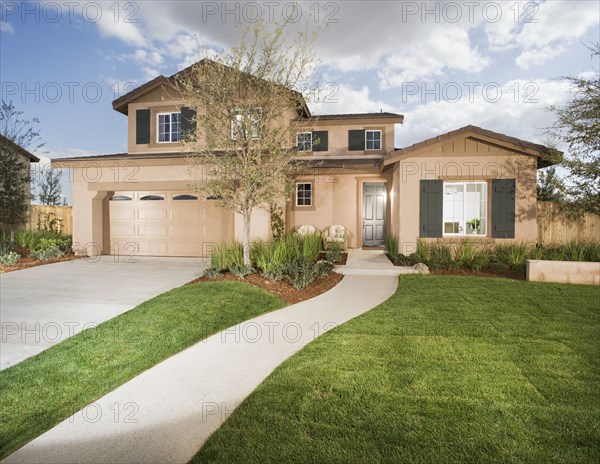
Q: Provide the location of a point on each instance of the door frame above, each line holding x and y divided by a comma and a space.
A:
361, 211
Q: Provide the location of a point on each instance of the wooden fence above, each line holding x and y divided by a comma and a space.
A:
556, 227
57, 218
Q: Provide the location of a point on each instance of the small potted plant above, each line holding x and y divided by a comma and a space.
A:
474, 225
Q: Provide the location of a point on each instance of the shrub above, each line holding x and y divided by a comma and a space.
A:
212, 272
311, 247
9, 259
47, 253
480, 259
403, 260
391, 246
334, 252
6, 246
26, 239
464, 254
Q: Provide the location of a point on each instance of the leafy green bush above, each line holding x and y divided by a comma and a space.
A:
334, 251
9, 259
47, 252
500, 256
26, 239
403, 260
311, 247
36, 239
391, 246
6, 246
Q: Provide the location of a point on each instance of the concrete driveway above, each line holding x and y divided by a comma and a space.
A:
44, 305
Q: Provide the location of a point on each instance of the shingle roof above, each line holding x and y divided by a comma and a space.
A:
357, 116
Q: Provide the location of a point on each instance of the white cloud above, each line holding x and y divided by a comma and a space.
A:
6, 27
520, 112
342, 98
127, 32
541, 32
441, 50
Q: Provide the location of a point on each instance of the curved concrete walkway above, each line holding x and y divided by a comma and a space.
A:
167, 413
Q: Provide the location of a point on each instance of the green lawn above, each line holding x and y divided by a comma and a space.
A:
450, 369
43, 390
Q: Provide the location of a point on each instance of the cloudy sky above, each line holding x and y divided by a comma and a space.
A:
441, 64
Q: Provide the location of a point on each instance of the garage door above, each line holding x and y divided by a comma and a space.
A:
175, 223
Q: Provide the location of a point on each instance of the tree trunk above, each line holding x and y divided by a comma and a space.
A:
246, 237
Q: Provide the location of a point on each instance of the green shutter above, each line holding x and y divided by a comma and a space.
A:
188, 123
142, 127
503, 208
356, 140
431, 210
322, 139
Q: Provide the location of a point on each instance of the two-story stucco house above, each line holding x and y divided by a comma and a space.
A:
470, 182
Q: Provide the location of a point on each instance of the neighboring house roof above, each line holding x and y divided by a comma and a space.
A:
329, 117
9, 143
543, 153
121, 103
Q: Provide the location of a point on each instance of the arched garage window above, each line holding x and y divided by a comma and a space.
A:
185, 197
120, 198
152, 197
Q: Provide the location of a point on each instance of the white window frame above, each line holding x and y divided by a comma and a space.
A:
380, 139
465, 220
170, 114
236, 113
310, 142
312, 195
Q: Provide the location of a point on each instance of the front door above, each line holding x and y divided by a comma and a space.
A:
374, 197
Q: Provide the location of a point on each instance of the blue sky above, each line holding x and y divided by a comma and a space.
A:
441, 64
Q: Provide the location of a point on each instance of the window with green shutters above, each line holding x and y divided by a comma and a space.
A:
356, 140
503, 208
431, 211
142, 127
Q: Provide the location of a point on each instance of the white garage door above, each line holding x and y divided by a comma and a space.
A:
176, 223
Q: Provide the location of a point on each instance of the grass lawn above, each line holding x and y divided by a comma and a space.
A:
41, 391
450, 369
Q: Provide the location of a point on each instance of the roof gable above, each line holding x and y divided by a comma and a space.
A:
506, 142
121, 103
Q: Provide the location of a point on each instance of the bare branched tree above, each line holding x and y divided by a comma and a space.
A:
245, 103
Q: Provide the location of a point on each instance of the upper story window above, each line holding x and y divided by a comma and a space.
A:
169, 127
304, 141
245, 124
373, 140
465, 208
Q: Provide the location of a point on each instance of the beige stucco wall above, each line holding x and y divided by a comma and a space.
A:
564, 272
338, 135
462, 160
95, 181
161, 101
337, 199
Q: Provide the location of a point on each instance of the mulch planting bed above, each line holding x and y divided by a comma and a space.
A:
281, 288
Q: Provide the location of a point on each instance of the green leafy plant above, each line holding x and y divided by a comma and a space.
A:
311, 247
391, 245
9, 259
45, 253
334, 251
6, 246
